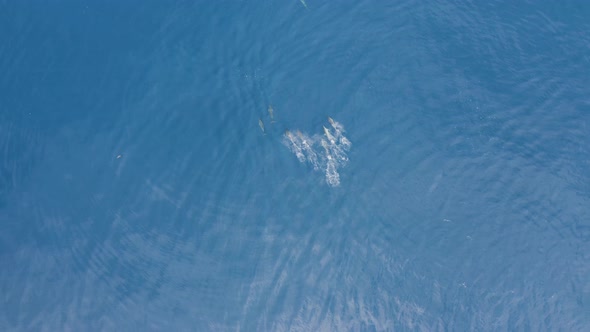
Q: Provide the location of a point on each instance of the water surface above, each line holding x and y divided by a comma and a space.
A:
138, 191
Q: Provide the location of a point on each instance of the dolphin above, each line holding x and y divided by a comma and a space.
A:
329, 135
261, 125
271, 113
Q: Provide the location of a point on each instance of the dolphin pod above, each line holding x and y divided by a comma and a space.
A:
327, 152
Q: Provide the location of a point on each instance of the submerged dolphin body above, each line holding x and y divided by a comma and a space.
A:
329, 135
261, 125
271, 113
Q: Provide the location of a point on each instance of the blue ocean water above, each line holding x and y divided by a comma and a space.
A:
144, 185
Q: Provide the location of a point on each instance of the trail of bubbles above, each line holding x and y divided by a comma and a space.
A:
327, 153
294, 144
310, 154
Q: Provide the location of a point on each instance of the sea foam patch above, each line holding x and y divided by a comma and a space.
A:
326, 153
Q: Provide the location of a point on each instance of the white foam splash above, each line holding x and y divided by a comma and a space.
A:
324, 152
